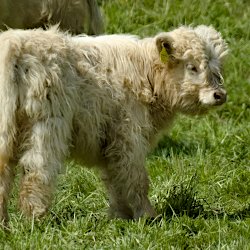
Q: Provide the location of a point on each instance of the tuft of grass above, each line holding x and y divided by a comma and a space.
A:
181, 199
200, 173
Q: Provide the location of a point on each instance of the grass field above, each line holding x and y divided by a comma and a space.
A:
200, 173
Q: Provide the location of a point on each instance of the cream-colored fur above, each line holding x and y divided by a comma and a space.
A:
101, 101
77, 16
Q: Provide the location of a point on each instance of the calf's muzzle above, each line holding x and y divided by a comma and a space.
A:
220, 96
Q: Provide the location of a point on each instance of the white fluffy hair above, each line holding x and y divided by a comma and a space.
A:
76, 16
101, 101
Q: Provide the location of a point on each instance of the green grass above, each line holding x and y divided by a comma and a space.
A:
200, 173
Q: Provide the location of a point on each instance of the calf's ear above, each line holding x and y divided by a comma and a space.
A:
164, 40
164, 43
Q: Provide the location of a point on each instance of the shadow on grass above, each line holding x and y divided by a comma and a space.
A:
169, 146
67, 213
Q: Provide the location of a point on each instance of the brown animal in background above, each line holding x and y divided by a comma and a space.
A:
76, 16
102, 101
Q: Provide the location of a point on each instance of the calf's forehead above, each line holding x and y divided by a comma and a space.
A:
203, 44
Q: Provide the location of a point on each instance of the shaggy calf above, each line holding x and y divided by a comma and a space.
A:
100, 101
78, 16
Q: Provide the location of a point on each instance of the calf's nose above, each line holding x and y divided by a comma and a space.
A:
220, 96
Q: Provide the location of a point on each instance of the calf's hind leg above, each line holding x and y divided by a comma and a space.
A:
6, 179
41, 164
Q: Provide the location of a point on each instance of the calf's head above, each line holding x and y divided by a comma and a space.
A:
192, 59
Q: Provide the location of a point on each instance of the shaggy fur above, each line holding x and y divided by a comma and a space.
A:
77, 16
100, 101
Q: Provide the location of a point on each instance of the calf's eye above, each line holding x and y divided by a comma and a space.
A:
192, 68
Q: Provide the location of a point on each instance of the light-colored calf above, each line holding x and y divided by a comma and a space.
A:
100, 101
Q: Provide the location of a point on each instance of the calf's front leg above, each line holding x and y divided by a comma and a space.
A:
126, 178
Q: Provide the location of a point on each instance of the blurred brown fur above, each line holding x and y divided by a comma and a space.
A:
75, 16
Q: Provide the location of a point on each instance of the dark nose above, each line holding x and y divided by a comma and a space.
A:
220, 96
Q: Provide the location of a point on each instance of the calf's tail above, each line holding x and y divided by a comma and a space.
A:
8, 95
